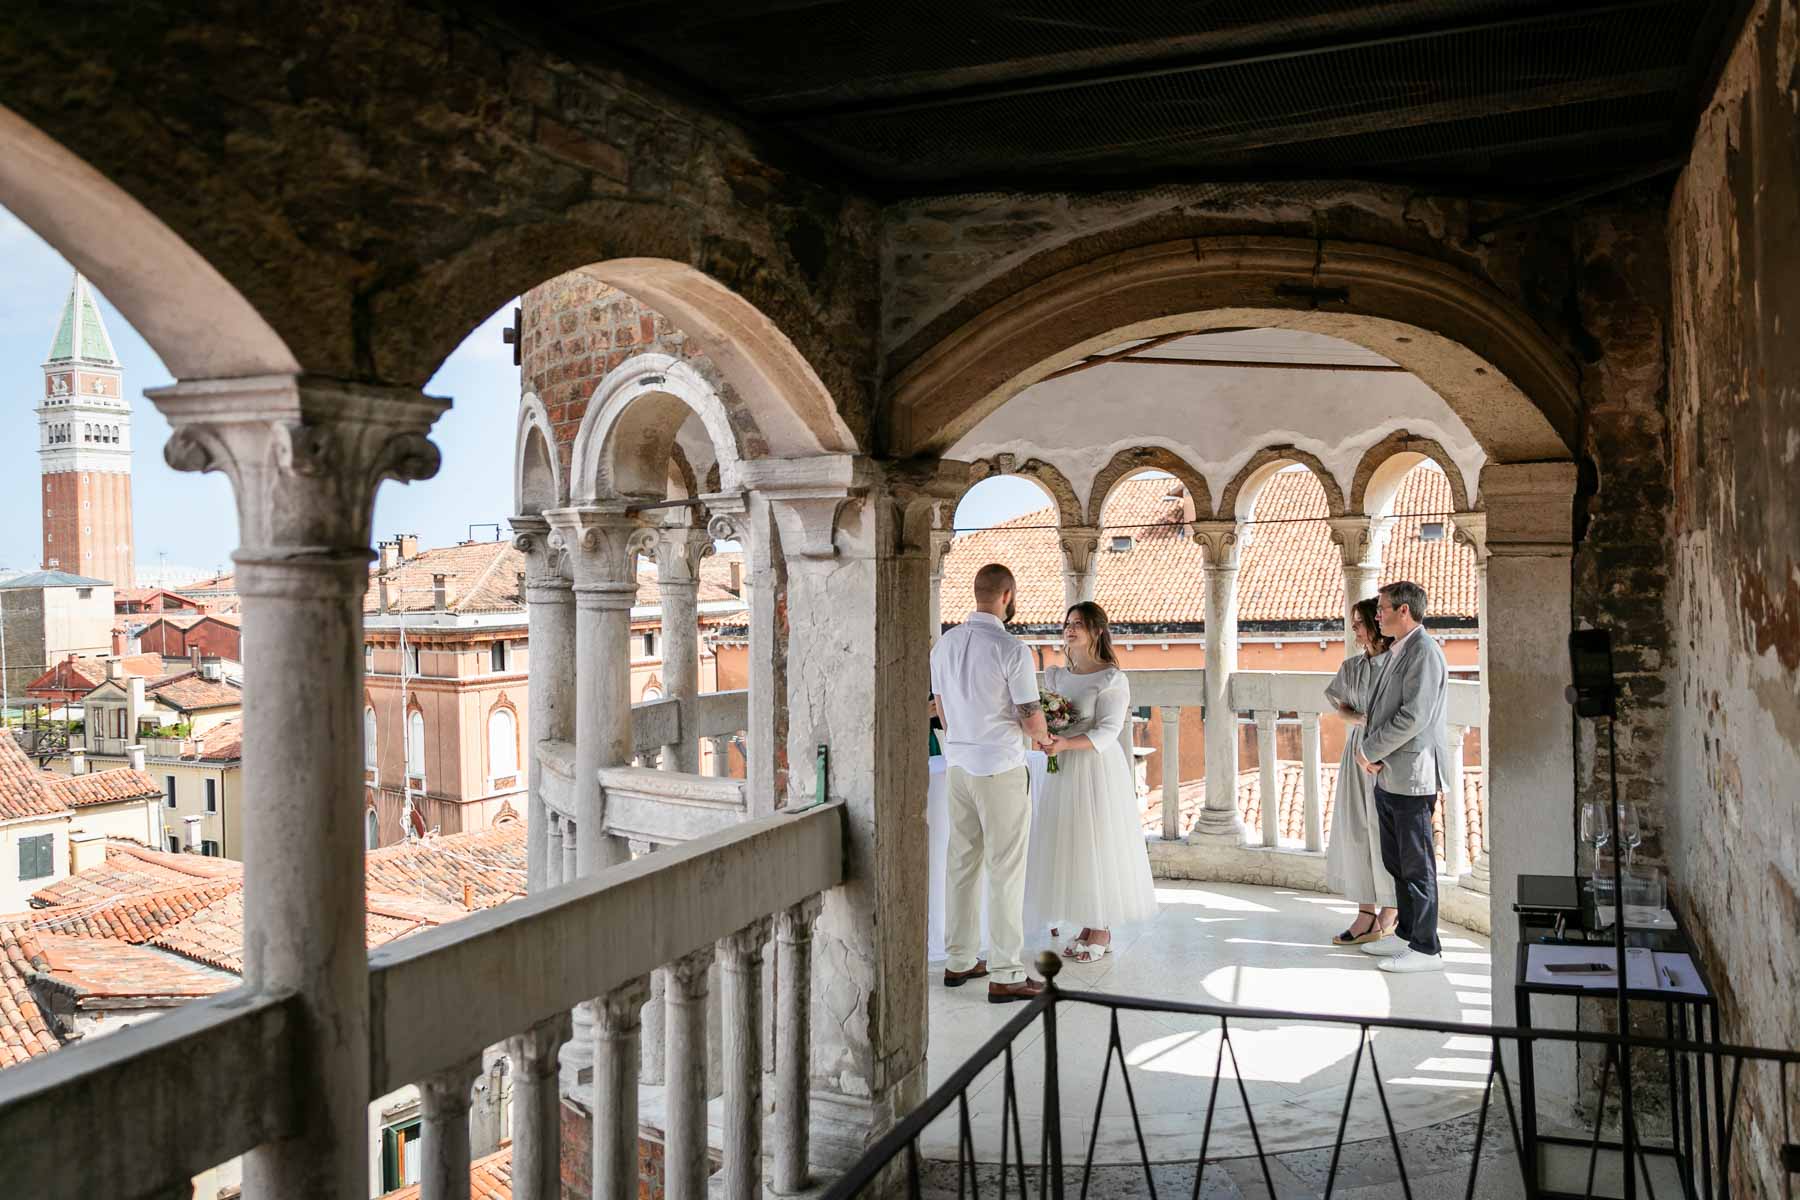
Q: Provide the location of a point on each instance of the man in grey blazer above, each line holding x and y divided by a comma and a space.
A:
1404, 747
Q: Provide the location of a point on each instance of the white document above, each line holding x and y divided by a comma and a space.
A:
1640, 967
1676, 973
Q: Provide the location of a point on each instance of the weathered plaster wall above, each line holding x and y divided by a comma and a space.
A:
1734, 241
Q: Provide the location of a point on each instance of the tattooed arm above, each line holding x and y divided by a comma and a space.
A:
1031, 720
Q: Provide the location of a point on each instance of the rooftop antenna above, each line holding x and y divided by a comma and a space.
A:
493, 525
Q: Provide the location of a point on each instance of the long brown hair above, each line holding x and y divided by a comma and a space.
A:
1365, 612
1093, 617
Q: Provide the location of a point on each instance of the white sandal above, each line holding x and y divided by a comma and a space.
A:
1089, 952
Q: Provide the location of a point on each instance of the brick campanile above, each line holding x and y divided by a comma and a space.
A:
84, 448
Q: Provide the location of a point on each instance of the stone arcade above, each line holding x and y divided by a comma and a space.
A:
305, 212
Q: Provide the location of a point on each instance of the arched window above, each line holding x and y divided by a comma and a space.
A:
503, 744
415, 743
371, 830
369, 756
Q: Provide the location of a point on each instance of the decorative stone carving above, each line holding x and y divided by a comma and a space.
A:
1219, 540
1471, 531
602, 544
1360, 539
1079, 545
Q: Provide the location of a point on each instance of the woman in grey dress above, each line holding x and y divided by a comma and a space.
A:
1353, 858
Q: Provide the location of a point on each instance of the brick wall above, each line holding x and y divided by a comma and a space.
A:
578, 1157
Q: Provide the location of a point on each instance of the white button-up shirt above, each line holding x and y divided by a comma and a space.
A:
981, 673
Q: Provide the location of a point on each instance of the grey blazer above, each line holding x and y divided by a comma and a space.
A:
1405, 731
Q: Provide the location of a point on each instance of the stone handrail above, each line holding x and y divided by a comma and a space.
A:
666, 807
721, 713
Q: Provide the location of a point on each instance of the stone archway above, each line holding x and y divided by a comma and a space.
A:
1239, 496
1495, 368
537, 474
628, 436
1388, 461
1137, 460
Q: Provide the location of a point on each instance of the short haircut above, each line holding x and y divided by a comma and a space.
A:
1408, 593
991, 581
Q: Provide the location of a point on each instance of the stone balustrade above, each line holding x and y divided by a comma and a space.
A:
435, 1002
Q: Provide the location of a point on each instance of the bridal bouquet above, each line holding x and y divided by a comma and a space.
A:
1059, 715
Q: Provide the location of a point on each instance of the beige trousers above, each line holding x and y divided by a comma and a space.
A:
990, 826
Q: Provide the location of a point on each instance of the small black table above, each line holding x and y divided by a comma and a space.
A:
1556, 910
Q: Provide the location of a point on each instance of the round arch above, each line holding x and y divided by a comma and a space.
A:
628, 435
1137, 460
537, 475
1239, 496
1387, 462
1052, 482
1513, 387
198, 323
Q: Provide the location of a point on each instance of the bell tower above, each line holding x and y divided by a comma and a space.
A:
84, 448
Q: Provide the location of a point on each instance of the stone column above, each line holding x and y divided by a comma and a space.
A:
1531, 771
793, 1045
941, 538
1171, 772
1269, 782
1359, 541
721, 754
615, 1158
444, 1131
741, 962
751, 522
569, 857
602, 544
550, 714
679, 549
1309, 767
856, 534
684, 1086
1471, 531
537, 1110
305, 456
1456, 837
656, 1031
1080, 549
553, 851
1220, 819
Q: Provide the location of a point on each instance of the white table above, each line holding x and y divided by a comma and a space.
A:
937, 822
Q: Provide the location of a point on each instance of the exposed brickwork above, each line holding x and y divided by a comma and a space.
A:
578, 1158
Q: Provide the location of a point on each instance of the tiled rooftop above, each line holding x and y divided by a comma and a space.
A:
95, 970
480, 577
134, 919
490, 1178
491, 863
22, 790
1291, 779
24, 1032
103, 787
190, 691
224, 742
84, 674
1290, 570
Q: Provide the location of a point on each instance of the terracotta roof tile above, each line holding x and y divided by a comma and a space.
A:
103, 787
190, 692
222, 743
24, 1031
95, 969
1290, 571
490, 1178
131, 869
491, 862
1291, 779
85, 673
23, 792
649, 595
479, 577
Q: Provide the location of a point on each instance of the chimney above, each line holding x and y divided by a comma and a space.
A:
390, 555
193, 832
86, 850
437, 591
737, 576
381, 593
134, 704
409, 546
194, 658
118, 641
77, 760
468, 895
115, 669
134, 756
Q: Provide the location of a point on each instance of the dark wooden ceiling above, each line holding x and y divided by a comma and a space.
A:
1507, 96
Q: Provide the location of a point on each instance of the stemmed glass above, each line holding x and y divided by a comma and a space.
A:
1631, 830
1594, 828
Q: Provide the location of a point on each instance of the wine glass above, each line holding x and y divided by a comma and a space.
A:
1631, 829
1594, 829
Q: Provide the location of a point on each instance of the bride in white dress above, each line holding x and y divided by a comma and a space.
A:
1087, 862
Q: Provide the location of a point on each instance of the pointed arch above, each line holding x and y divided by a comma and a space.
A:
1386, 463
1127, 463
1240, 494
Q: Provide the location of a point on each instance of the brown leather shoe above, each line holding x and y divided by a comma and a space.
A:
1006, 993
958, 978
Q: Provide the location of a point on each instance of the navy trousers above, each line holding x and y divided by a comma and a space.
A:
1407, 854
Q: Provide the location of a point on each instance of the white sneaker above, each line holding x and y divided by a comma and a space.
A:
1411, 962
1386, 947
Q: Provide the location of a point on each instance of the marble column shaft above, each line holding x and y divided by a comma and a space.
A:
686, 983
550, 714
741, 963
1219, 817
444, 1131
793, 1045
679, 549
305, 456
614, 1165
537, 1110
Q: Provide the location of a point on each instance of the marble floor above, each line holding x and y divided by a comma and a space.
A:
1226, 944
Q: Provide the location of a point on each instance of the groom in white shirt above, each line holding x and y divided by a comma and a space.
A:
986, 688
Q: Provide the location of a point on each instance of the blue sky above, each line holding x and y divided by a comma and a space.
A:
188, 521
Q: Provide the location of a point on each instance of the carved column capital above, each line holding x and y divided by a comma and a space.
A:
678, 550
618, 1013
941, 540
794, 923
727, 516
534, 1052
546, 565
305, 455
685, 978
743, 948
602, 543
1080, 543
447, 1091
1221, 541
1471, 530
1360, 539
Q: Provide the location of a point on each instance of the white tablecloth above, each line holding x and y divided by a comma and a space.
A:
937, 821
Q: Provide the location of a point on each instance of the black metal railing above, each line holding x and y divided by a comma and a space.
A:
1707, 1083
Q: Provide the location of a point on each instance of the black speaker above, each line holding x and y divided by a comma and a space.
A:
1592, 691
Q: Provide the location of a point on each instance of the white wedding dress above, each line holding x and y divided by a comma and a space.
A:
1087, 865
